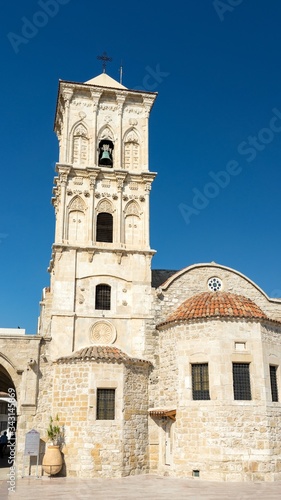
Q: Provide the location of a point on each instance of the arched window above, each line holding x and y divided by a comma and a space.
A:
80, 146
131, 150
103, 293
133, 224
105, 227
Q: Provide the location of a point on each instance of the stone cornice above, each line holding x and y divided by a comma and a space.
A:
96, 248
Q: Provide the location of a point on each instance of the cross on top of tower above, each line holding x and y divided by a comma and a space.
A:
104, 58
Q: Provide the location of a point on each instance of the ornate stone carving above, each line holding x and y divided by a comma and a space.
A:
135, 110
105, 206
105, 183
132, 136
102, 332
106, 133
77, 204
133, 122
109, 107
78, 180
67, 94
132, 209
79, 102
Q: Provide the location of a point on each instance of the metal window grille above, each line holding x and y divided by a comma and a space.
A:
273, 382
105, 227
241, 381
105, 404
200, 381
103, 297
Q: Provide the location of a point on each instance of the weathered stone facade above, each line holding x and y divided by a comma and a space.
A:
108, 323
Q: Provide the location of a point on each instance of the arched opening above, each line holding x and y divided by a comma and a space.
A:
105, 227
8, 415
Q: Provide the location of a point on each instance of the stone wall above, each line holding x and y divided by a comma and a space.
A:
222, 438
135, 435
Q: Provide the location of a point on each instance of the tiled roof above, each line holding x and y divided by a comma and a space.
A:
216, 305
107, 354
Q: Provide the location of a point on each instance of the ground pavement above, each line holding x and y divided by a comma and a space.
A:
146, 487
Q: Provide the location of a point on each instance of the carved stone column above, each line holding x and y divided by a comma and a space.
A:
63, 174
119, 153
148, 101
120, 177
92, 216
96, 94
67, 94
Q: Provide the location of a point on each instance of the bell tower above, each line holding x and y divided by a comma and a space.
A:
100, 269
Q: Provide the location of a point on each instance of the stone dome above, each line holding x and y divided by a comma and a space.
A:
216, 305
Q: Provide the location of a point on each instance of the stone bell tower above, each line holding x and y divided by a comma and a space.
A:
101, 262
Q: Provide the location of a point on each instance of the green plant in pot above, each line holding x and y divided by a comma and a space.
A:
54, 431
52, 460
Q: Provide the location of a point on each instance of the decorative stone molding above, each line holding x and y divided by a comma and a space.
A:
77, 204
78, 180
105, 206
103, 332
133, 122
109, 107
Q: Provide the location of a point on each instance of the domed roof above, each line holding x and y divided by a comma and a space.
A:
216, 305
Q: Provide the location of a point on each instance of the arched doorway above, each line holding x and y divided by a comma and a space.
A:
8, 412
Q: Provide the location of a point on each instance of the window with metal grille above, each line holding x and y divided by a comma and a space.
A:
273, 382
241, 381
200, 381
103, 293
105, 227
105, 404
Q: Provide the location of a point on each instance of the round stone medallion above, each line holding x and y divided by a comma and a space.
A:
102, 332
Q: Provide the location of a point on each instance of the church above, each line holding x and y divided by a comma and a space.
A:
150, 371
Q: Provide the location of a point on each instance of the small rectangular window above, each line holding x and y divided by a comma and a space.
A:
105, 404
241, 381
103, 293
273, 383
200, 381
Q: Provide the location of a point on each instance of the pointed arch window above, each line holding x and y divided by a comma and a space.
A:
105, 227
80, 145
131, 151
103, 297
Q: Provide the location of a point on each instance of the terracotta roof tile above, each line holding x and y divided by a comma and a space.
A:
108, 354
214, 305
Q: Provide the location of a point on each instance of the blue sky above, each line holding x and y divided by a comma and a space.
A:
215, 130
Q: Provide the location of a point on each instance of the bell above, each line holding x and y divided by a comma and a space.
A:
105, 158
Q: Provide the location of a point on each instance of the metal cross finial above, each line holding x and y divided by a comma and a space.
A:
104, 58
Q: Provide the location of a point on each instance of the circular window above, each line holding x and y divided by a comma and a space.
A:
214, 284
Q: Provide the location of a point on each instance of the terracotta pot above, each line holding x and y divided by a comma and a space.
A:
52, 460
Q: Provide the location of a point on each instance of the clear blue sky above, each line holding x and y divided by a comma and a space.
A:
216, 68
